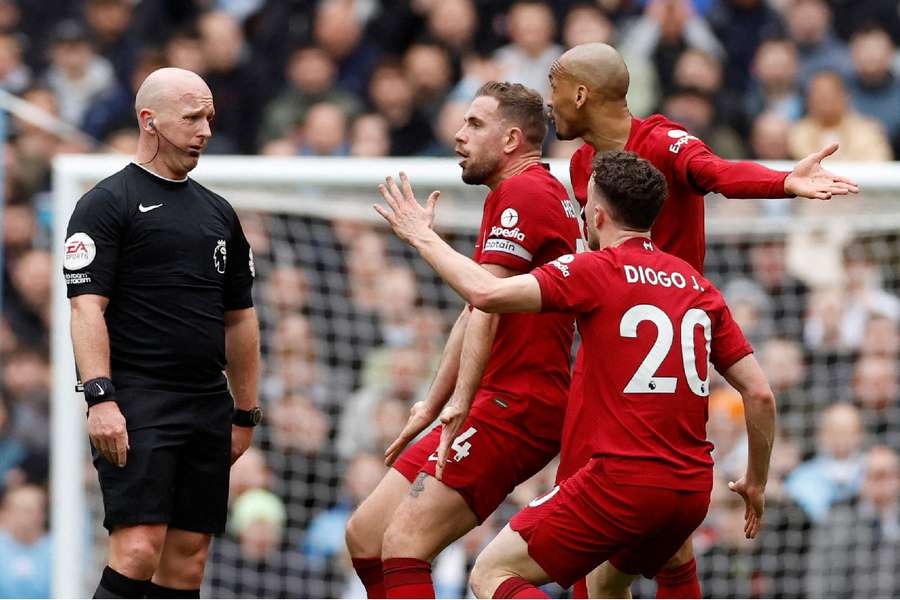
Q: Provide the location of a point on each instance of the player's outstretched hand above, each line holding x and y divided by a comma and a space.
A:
406, 216
452, 418
106, 428
421, 415
755, 499
810, 180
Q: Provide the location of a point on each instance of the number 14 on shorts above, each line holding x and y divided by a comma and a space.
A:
460, 445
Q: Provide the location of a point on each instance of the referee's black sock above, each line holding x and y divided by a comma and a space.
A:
115, 585
158, 591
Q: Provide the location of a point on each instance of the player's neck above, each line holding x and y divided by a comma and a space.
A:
609, 128
620, 236
514, 167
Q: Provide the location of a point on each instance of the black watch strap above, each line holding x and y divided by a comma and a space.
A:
97, 390
247, 418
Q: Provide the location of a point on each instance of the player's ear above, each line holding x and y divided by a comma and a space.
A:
513, 139
147, 121
581, 95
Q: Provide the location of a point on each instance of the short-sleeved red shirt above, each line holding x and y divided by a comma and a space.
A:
650, 326
528, 221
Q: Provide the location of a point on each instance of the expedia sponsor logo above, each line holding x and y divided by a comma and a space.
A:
514, 234
683, 141
563, 268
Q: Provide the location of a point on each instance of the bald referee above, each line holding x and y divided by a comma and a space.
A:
159, 275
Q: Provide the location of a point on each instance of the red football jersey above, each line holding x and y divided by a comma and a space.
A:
650, 326
528, 221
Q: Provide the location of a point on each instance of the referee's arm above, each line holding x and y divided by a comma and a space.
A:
242, 354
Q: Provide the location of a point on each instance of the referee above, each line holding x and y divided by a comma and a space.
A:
159, 275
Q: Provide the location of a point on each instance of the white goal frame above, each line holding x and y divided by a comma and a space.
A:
74, 174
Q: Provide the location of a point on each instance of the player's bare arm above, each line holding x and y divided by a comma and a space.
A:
90, 340
242, 353
479, 336
424, 412
759, 407
483, 290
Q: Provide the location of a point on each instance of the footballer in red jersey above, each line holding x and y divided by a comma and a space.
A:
501, 389
589, 84
646, 486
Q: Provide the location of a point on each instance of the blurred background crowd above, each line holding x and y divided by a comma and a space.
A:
353, 324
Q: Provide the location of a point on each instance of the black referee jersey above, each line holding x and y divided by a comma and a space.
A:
172, 258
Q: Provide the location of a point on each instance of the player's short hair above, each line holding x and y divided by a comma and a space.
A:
521, 106
633, 188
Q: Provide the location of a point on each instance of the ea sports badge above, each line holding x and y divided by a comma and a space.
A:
80, 251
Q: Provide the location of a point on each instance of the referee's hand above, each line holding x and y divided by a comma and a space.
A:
106, 428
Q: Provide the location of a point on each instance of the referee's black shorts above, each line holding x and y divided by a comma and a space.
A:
178, 462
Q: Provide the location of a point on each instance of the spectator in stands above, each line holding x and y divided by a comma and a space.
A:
531, 51
310, 79
392, 96
238, 86
586, 23
15, 76
783, 362
864, 294
855, 551
324, 539
12, 451
751, 307
726, 430
768, 265
809, 26
338, 30
29, 295
430, 72
258, 518
77, 75
769, 137
877, 393
831, 119
453, 24
370, 136
25, 544
324, 131
882, 337
835, 473
406, 382
665, 30
184, 49
741, 25
852, 15
476, 71
115, 109
110, 22
874, 88
774, 87
698, 70
694, 109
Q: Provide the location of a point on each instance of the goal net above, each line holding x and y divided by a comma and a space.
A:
353, 322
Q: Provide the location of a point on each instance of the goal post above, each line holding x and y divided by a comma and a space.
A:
331, 189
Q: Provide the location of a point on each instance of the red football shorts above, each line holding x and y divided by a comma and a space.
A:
588, 520
486, 461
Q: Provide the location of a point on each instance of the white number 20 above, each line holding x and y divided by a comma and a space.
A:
644, 380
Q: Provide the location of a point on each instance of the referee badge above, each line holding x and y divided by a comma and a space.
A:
220, 255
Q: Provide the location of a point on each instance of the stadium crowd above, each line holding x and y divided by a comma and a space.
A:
353, 325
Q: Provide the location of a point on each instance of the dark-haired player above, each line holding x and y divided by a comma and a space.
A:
646, 485
589, 84
516, 367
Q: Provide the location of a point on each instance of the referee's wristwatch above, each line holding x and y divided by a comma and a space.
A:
247, 418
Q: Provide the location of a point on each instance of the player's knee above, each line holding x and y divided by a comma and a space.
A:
484, 579
683, 556
137, 555
398, 539
361, 538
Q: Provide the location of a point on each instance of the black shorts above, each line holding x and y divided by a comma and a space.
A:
178, 462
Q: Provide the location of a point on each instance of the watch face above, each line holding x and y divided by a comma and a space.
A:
256, 415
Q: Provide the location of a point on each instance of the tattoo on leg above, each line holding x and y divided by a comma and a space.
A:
418, 485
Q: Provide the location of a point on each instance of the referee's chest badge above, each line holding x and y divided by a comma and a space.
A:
220, 254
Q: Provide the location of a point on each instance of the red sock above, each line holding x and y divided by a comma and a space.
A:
407, 578
678, 582
579, 590
371, 573
516, 587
